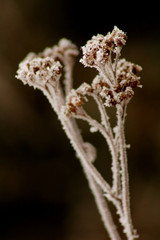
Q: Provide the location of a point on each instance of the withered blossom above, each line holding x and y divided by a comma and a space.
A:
39, 71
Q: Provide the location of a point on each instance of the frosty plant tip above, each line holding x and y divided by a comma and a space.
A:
113, 86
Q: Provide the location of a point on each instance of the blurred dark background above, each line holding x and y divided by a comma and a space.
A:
43, 191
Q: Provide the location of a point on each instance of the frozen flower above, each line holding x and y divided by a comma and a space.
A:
127, 74
76, 98
65, 48
127, 81
84, 89
99, 85
39, 71
118, 37
96, 51
74, 102
108, 101
129, 92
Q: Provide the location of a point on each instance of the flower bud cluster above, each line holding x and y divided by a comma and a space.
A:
127, 81
122, 91
38, 69
76, 98
97, 50
37, 72
127, 74
65, 50
118, 37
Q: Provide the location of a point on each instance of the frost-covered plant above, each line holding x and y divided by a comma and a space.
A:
113, 86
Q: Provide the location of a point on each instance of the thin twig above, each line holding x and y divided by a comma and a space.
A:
110, 139
76, 145
96, 188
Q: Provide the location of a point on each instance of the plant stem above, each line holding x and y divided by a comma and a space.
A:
68, 80
98, 195
127, 221
110, 142
103, 209
77, 142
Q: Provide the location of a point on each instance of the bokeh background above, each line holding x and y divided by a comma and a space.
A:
43, 191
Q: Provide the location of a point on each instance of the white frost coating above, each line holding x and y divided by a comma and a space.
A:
113, 86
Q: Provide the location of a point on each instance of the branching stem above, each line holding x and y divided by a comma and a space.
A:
96, 182
113, 87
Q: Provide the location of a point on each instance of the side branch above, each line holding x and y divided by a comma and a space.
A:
110, 142
95, 180
107, 134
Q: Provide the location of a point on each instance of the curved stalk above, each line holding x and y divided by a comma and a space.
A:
95, 180
113, 149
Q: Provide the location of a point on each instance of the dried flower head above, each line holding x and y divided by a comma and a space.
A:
127, 80
65, 49
99, 84
97, 51
76, 98
127, 75
118, 37
74, 102
37, 72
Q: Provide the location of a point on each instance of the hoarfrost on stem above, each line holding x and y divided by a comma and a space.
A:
113, 86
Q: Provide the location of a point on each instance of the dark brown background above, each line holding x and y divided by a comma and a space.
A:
43, 192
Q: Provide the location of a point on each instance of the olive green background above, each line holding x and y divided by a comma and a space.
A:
43, 191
